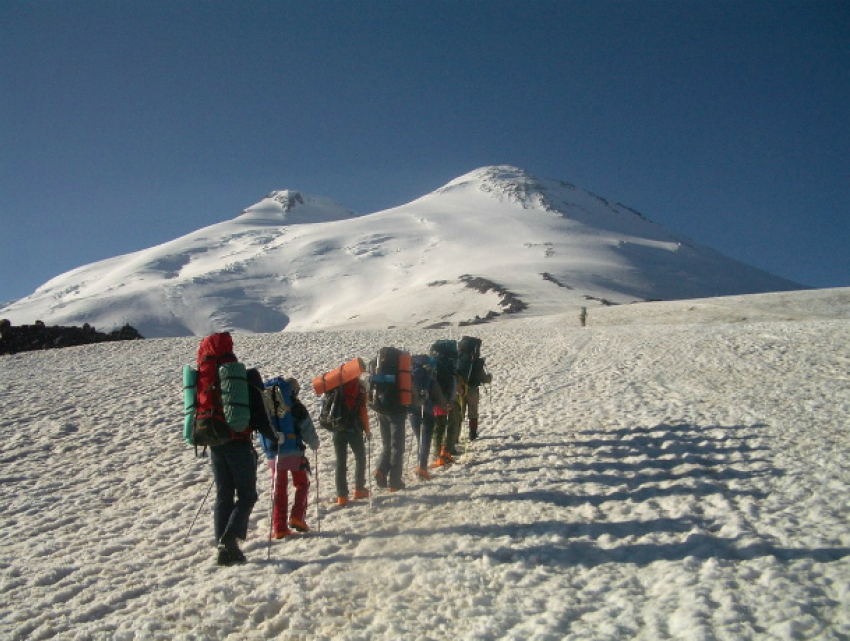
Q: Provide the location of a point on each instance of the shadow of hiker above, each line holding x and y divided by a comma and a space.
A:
574, 544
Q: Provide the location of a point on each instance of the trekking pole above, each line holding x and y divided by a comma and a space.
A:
271, 508
407, 445
197, 514
369, 446
464, 434
318, 521
421, 438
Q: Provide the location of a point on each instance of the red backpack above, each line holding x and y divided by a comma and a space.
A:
212, 425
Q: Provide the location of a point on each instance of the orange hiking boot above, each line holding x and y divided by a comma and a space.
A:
342, 501
422, 473
361, 494
281, 534
438, 462
298, 524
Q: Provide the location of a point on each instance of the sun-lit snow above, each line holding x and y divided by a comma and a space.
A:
674, 470
299, 262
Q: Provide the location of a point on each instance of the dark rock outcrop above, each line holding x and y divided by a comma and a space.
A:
27, 338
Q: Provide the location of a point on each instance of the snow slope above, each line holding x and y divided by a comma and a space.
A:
300, 262
674, 470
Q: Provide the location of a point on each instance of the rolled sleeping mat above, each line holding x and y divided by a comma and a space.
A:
339, 376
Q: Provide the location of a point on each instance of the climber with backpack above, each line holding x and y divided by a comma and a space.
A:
293, 430
226, 415
426, 396
344, 413
473, 374
390, 394
444, 355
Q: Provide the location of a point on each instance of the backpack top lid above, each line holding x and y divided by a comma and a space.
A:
279, 381
254, 378
420, 361
470, 345
214, 350
444, 348
215, 345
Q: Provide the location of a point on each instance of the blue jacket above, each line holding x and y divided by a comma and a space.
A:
305, 432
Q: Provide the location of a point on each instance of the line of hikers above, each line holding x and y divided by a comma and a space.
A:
226, 404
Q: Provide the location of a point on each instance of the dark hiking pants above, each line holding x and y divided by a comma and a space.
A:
422, 424
392, 450
234, 467
342, 441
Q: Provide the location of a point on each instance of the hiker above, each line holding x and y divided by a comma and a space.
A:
285, 455
444, 353
350, 434
234, 461
472, 374
427, 395
390, 394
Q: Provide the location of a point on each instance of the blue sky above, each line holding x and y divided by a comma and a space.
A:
127, 124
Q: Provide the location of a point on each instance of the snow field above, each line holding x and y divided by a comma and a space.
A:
679, 481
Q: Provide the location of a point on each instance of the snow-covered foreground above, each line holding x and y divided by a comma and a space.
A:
664, 481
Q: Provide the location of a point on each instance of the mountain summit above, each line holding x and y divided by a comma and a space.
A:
294, 207
492, 242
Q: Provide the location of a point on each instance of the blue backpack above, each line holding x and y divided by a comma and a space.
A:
277, 397
422, 373
444, 353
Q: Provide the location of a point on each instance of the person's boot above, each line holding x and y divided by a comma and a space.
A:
299, 524
422, 474
473, 429
228, 551
380, 479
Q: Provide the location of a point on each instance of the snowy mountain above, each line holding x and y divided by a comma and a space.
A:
494, 241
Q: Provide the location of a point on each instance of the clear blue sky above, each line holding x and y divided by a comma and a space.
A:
127, 124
